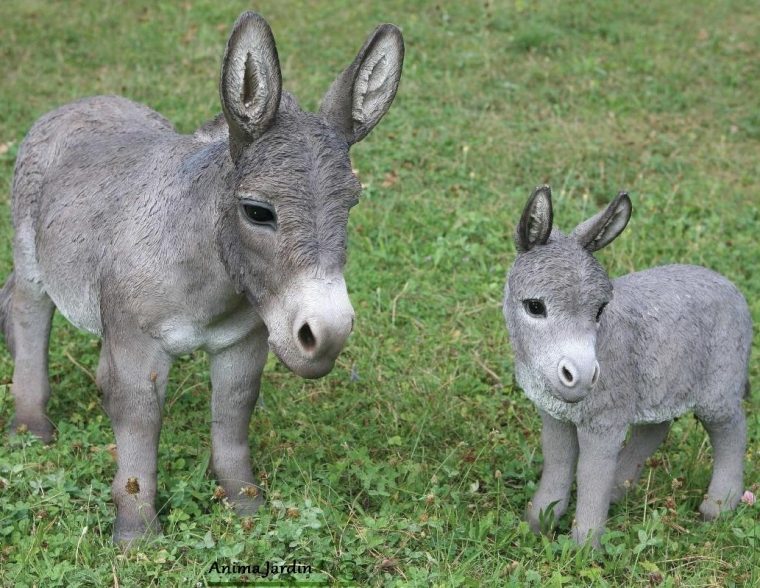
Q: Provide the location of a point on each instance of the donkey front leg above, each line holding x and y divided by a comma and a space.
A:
132, 374
235, 379
596, 473
559, 443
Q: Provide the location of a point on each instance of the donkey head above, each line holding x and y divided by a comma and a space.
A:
281, 224
556, 294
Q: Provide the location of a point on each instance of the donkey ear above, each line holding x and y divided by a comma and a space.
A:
251, 82
535, 224
362, 94
601, 229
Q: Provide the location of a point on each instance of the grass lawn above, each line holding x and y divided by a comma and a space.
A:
411, 463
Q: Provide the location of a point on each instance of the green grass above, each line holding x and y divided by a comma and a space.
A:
417, 472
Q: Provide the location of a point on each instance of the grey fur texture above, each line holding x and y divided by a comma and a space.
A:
604, 355
231, 240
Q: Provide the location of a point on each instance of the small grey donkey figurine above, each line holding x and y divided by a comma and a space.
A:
596, 356
231, 240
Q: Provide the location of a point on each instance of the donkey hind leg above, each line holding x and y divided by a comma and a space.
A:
132, 374
729, 441
27, 320
644, 441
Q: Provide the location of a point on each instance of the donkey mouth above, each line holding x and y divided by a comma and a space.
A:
302, 366
569, 398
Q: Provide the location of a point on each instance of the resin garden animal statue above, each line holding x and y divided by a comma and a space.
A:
231, 240
596, 356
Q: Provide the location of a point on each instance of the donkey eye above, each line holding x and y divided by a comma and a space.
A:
600, 311
535, 307
257, 213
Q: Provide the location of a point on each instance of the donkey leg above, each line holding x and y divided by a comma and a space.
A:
30, 314
644, 441
132, 374
235, 379
559, 444
596, 472
729, 442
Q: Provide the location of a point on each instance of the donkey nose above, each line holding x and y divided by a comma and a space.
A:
584, 376
324, 336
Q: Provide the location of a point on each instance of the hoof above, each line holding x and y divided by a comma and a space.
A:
127, 535
40, 428
245, 500
534, 525
587, 537
531, 517
711, 509
244, 505
618, 494
621, 489
542, 521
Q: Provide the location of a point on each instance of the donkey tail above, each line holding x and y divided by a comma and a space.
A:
5, 311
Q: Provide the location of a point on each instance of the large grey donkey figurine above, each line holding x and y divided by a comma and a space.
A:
231, 240
596, 356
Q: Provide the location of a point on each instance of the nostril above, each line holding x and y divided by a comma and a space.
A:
306, 337
567, 373
595, 377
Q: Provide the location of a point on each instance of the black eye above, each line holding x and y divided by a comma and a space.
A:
258, 214
600, 311
535, 307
